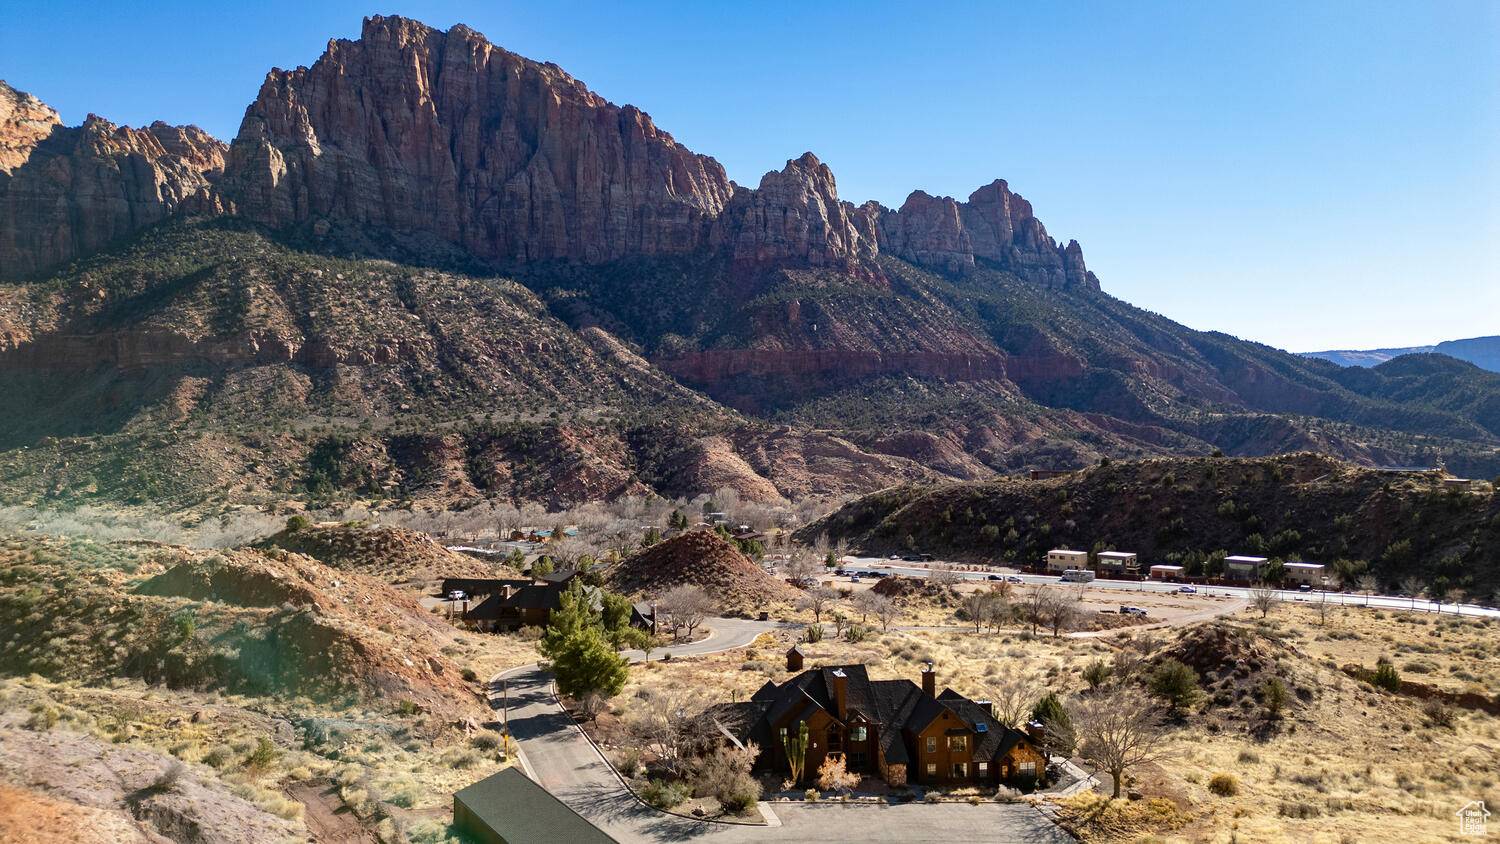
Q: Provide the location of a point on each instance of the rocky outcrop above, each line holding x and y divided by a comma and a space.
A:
994, 225
65, 192
443, 134
796, 217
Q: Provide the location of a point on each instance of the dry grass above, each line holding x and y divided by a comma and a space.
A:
1344, 763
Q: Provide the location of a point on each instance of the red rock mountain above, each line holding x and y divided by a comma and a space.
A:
415, 130
65, 192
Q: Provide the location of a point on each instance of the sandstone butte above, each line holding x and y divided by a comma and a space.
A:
444, 137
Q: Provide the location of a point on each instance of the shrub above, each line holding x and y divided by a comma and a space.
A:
814, 633
461, 759
856, 633
627, 760
1438, 713
296, 523
1249, 757
1176, 684
1224, 785
469, 675
1387, 677
42, 718
262, 757
663, 794
168, 779
1273, 695
486, 740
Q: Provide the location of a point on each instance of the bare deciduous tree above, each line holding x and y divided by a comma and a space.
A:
1412, 587
1061, 610
1033, 605
817, 599
1118, 731
1012, 700
943, 575
801, 567
1264, 598
669, 723
1367, 584
884, 609
685, 606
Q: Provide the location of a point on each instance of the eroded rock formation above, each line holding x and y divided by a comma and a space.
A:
65, 192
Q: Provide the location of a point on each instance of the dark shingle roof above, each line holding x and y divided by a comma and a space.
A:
522, 812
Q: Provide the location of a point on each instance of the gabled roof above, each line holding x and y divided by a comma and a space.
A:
892, 705
559, 576
521, 811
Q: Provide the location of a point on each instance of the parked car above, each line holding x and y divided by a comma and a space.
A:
994, 577
1187, 589
854, 579
1013, 579
894, 557
1132, 610
1306, 587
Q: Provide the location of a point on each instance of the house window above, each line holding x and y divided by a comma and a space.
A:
858, 734
932, 744
931, 769
835, 741
1028, 769
984, 769
961, 770
958, 744
781, 734
856, 761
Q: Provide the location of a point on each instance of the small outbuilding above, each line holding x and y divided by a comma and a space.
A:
1164, 572
1461, 484
508, 808
794, 658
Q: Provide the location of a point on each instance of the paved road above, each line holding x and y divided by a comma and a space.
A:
566, 764
1390, 602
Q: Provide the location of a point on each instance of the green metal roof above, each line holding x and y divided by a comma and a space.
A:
522, 812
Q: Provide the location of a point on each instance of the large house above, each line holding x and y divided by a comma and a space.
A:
512, 604
893, 729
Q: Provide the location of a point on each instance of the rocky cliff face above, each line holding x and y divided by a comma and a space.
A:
65, 192
443, 134
420, 131
994, 225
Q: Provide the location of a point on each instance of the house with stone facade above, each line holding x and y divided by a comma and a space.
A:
893, 729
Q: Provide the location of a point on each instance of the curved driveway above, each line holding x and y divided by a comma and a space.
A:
565, 762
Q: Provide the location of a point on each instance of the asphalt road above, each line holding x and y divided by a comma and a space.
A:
1392, 602
563, 760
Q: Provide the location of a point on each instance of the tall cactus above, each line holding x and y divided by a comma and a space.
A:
796, 751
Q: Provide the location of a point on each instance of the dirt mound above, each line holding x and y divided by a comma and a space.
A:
702, 558
331, 632
906, 590
1216, 651
393, 554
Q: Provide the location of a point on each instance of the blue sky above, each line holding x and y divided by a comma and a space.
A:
1307, 174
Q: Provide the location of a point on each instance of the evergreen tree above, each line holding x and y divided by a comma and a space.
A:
580, 655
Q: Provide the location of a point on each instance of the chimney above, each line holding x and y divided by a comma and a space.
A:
840, 693
508, 590
987, 706
1037, 732
929, 681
